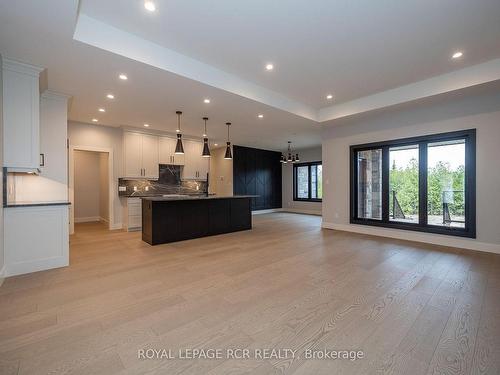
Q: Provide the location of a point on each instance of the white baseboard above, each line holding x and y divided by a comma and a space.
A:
87, 219
103, 220
301, 211
258, 212
430, 238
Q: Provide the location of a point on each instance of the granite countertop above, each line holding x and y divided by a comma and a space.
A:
36, 204
155, 195
197, 197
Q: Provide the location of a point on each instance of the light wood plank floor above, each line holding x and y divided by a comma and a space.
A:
411, 308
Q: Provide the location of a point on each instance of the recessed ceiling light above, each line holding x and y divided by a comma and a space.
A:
146, 125
102, 110
206, 101
260, 116
123, 77
269, 67
149, 5
457, 55
329, 96
110, 96
94, 120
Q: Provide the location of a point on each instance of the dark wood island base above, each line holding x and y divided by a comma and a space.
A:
166, 219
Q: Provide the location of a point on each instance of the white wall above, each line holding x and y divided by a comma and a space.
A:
479, 109
221, 173
87, 186
312, 154
2, 256
92, 136
103, 187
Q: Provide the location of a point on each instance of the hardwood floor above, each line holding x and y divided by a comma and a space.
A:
411, 308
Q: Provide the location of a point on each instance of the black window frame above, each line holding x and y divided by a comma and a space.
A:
309, 165
422, 141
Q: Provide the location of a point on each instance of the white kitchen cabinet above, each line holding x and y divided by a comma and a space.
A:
21, 116
150, 162
195, 166
167, 152
35, 238
141, 155
132, 214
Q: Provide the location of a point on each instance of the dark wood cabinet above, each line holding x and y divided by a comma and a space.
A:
257, 172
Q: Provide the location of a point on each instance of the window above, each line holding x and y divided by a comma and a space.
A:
423, 183
308, 182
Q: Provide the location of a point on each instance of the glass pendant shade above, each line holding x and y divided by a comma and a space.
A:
228, 154
206, 149
179, 148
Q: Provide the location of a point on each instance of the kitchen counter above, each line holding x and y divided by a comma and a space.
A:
178, 218
194, 197
36, 204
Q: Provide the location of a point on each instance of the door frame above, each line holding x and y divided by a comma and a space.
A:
71, 182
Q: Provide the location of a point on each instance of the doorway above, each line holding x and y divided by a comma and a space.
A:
90, 186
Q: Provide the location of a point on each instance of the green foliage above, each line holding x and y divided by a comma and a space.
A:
440, 178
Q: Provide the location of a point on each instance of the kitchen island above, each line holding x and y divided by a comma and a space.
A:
176, 218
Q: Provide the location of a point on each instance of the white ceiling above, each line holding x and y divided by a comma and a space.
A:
351, 49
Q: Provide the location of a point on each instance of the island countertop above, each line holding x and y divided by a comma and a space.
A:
194, 197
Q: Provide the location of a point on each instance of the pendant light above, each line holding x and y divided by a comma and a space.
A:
228, 154
289, 156
179, 148
206, 149
289, 152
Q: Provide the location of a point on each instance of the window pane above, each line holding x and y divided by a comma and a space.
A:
303, 182
314, 182
370, 184
446, 183
403, 184
320, 182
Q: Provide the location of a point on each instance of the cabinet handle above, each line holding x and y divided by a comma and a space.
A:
42, 160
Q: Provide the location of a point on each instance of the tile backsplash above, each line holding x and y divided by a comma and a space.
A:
169, 182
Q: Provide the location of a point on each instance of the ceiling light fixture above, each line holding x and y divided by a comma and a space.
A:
457, 55
123, 77
146, 125
206, 149
269, 66
150, 6
291, 157
206, 101
329, 96
228, 154
110, 96
179, 148
260, 116
102, 110
216, 144
94, 120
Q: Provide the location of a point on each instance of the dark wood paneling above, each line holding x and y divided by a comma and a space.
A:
257, 172
170, 221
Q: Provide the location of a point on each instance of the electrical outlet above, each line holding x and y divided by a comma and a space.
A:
122, 188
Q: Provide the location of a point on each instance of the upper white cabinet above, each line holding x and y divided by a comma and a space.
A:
141, 155
21, 115
195, 166
167, 152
